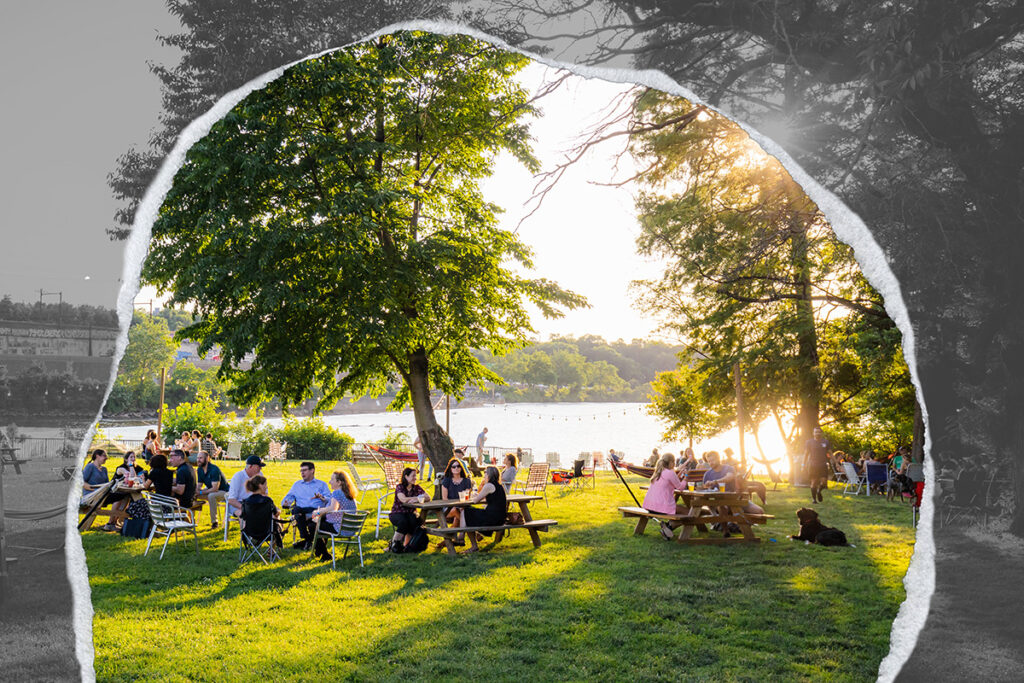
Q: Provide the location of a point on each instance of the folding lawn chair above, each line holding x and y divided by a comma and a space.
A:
364, 485
537, 480
350, 530
853, 480
257, 536
169, 519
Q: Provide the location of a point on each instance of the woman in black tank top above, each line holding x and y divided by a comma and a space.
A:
493, 513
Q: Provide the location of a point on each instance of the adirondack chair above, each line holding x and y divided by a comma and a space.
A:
392, 477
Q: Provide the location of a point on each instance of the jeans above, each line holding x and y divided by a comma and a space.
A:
304, 522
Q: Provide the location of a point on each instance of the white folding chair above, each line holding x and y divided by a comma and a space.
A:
169, 519
364, 485
853, 479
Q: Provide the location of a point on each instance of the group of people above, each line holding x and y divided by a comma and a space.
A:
668, 478
455, 484
821, 464
190, 443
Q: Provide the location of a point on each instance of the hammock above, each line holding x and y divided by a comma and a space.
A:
639, 470
30, 516
390, 454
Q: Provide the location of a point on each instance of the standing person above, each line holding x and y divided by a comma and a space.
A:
236, 490
343, 499
305, 496
421, 457
213, 485
404, 518
184, 488
493, 514
481, 439
815, 463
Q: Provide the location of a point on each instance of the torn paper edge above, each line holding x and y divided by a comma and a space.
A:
920, 578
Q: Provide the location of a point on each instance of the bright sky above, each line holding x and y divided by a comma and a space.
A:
583, 236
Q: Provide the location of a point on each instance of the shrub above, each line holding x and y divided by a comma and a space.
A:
394, 440
254, 435
201, 414
311, 439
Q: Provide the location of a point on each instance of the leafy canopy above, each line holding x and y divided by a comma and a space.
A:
333, 223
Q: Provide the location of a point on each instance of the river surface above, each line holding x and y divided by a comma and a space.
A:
564, 428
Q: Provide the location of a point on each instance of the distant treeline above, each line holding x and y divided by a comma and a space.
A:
584, 369
54, 313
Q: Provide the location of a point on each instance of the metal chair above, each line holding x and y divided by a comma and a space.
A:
853, 480
364, 485
169, 519
349, 533
392, 477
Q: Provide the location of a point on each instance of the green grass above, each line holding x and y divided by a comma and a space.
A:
593, 601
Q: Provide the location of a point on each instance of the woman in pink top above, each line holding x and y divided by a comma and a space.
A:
661, 496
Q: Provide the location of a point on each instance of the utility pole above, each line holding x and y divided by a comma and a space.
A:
60, 305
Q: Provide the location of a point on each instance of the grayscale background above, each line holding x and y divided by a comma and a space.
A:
78, 95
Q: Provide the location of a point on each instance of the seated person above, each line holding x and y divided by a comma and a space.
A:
259, 512
184, 488
726, 475
94, 474
470, 464
614, 457
306, 495
151, 445
404, 518
453, 484
128, 469
160, 477
511, 469
211, 447
686, 462
493, 514
213, 485
652, 461
661, 496
343, 499
237, 492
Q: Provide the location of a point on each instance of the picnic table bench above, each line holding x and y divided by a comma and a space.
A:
447, 533
729, 506
9, 456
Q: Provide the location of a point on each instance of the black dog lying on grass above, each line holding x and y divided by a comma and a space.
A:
813, 531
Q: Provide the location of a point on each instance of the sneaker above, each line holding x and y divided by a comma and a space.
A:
666, 532
110, 527
301, 545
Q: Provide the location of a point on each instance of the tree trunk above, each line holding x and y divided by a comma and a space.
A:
917, 446
436, 443
808, 382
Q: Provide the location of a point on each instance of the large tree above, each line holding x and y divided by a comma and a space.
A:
753, 276
333, 224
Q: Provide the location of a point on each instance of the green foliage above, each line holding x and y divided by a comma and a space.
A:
333, 224
251, 431
394, 440
150, 347
36, 391
187, 380
755, 276
311, 439
200, 414
174, 317
691, 405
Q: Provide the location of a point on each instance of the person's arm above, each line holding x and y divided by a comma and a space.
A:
482, 493
290, 496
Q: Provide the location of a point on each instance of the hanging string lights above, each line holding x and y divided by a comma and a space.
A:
608, 414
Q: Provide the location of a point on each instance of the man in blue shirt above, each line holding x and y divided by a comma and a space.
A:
305, 496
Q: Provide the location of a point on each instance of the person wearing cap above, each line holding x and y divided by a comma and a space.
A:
236, 489
304, 497
184, 488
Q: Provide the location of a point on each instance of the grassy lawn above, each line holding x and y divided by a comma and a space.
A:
593, 601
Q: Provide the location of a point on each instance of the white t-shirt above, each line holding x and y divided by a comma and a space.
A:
236, 488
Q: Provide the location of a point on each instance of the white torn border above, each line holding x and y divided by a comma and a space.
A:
920, 578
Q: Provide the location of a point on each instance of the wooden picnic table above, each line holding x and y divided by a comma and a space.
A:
438, 507
9, 456
728, 509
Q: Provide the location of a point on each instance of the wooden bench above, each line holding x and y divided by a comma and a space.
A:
689, 522
8, 457
533, 527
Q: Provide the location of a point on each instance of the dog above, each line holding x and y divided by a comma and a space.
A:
813, 531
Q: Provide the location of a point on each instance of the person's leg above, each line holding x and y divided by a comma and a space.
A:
304, 522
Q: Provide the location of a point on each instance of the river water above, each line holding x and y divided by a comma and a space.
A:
564, 428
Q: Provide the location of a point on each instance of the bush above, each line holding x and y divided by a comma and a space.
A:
394, 440
311, 439
201, 414
254, 435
